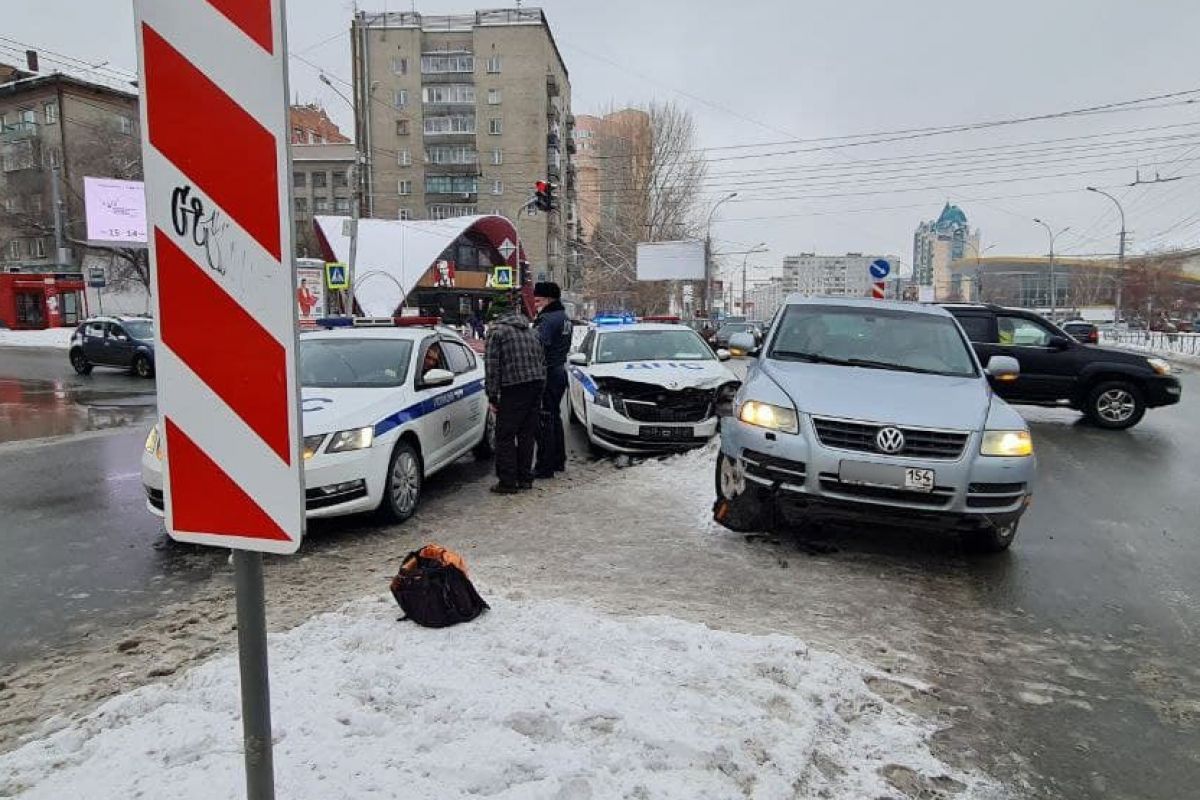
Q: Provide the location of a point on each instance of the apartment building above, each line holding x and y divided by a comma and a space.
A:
939, 243
461, 115
321, 185
611, 159
57, 125
831, 276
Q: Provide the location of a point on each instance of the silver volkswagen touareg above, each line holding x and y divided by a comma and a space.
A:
867, 410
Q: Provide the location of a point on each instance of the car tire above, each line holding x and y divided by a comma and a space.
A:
80, 363
405, 479
991, 538
1115, 405
142, 367
487, 445
740, 506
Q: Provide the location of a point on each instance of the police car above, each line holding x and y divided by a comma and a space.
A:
385, 405
649, 386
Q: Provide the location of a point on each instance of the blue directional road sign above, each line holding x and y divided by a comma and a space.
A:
880, 269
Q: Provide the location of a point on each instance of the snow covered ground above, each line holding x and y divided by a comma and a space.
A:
51, 337
536, 699
1181, 347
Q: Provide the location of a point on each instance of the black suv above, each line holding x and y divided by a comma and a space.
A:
1112, 387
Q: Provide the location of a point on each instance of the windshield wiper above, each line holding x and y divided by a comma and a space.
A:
869, 364
815, 358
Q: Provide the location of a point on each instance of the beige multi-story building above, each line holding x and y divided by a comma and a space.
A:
613, 153
461, 115
321, 185
57, 127
939, 243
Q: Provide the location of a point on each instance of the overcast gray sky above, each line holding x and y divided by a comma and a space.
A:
770, 71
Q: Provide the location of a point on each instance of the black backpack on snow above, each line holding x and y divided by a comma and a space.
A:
433, 589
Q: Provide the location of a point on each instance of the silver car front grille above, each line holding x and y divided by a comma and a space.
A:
861, 437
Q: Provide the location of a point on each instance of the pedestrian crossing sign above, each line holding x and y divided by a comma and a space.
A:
502, 277
336, 276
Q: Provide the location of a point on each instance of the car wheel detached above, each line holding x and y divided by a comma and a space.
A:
1115, 405
402, 493
740, 506
80, 362
993, 538
142, 367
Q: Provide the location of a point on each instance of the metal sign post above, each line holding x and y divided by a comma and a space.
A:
218, 215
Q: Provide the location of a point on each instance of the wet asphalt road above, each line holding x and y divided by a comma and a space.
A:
1107, 552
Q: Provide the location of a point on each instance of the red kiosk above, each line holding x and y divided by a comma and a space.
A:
39, 300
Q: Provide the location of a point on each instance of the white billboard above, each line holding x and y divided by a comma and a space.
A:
670, 261
116, 211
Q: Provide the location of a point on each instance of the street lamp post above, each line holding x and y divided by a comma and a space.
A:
1053, 236
708, 253
355, 177
752, 250
1120, 255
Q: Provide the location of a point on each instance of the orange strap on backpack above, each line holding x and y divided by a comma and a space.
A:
435, 552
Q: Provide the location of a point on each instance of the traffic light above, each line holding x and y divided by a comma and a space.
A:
544, 200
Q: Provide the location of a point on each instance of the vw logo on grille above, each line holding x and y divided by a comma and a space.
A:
889, 440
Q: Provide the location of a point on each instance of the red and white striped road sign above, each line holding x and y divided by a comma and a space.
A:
877, 290
214, 136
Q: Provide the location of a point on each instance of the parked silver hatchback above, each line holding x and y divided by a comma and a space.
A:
866, 410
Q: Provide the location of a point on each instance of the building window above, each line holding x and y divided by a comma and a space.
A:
301, 205
404, 214
493, 65
320, 180
493, 97
404, 157
451, 211
463, 93
456, 61
340, 179
27, 115
14, 249
496, 212
299, 180
125, 125
402, 127
37, 248
451, 154
495, 126
451, 184
459, 123
10, 204
497, 157
404, 187
315, 138
55, 157
497, 187
320, 204
341, 205
35, 203
401, 98
399, 65
50, 113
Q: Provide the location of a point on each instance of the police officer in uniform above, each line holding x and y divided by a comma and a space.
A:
553, 328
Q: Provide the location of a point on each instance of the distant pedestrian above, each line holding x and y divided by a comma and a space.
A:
515, 372
553, 328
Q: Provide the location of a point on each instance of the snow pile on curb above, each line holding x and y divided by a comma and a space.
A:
534, 700
59, 338
1162, 352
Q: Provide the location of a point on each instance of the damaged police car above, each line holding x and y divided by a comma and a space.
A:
648, 387
875, 412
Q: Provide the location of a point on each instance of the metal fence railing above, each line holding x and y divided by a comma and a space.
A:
1187, 344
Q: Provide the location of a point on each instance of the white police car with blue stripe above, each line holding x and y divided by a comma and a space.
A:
648, 387
384, 407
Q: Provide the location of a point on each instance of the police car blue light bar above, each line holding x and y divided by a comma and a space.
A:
614, 319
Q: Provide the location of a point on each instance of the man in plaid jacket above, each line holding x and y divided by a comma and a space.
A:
515, 372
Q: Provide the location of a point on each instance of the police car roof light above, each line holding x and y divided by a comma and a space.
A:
613, 319
329, 323
416, 322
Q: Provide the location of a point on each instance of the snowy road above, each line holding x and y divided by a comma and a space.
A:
1067, 667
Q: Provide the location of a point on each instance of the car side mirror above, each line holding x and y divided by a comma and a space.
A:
578, 359
722, 354
437, 377
1004, 369
1059, 343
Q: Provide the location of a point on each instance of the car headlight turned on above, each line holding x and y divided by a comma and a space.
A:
312, 444
154, 443
765, 415
1006, 443
354, 439
1159, 365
